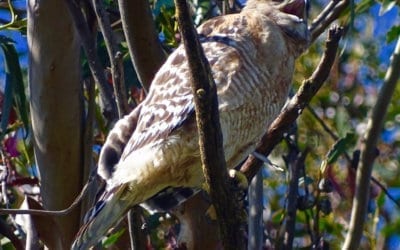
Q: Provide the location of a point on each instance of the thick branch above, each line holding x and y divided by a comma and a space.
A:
56, 107
210, 135
146, 52
296, 105
368, 153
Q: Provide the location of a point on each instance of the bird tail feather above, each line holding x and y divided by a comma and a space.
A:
104, 215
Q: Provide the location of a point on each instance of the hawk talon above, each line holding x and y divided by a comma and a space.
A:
238, 179
238, 185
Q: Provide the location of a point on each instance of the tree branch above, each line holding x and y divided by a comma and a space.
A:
88, 165
256, 225
326, 17
110, 110
210, 135
138, 238
115, 57
295, 165
296, 105
368, 152
63, 212
7, 232
146, 52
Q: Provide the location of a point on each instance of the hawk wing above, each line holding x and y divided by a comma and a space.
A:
168, 104
170, 100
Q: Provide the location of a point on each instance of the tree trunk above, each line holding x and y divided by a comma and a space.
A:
56, 108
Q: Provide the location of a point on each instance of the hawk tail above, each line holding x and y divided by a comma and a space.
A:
100, 218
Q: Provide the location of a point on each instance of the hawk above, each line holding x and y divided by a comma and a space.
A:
252, 56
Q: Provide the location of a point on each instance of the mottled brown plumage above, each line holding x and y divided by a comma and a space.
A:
252, 58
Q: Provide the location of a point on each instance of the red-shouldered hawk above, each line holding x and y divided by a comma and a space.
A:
252, 56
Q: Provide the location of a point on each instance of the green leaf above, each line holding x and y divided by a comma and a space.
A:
202, 9
112, 238
393, 34
364, 6
340, 147
380, 201
15, 89
160, 4
386, 6
7, 106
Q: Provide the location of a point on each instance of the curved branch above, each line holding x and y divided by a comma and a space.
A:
63, 212
327, 16
296, 105
368, 153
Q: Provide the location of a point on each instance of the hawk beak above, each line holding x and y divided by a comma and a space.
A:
296, 7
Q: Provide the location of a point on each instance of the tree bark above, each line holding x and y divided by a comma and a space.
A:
56, 108
255, 226
141, 37
210, 135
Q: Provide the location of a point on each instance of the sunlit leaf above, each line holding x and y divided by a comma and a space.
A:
393, 34
15, 88
7, 106
340, 147
112, 239
386, 6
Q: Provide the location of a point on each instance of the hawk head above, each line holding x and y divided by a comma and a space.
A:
289, 15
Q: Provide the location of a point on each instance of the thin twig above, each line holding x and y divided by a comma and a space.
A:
88, 143
322, 123
8, 232
115, 57
138, 236
118, 79
63, 212
256, 228
323, 14
296, 105
110, 110
292, 198
368, 154
13, 16
347, 156
210, 135
327, 16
